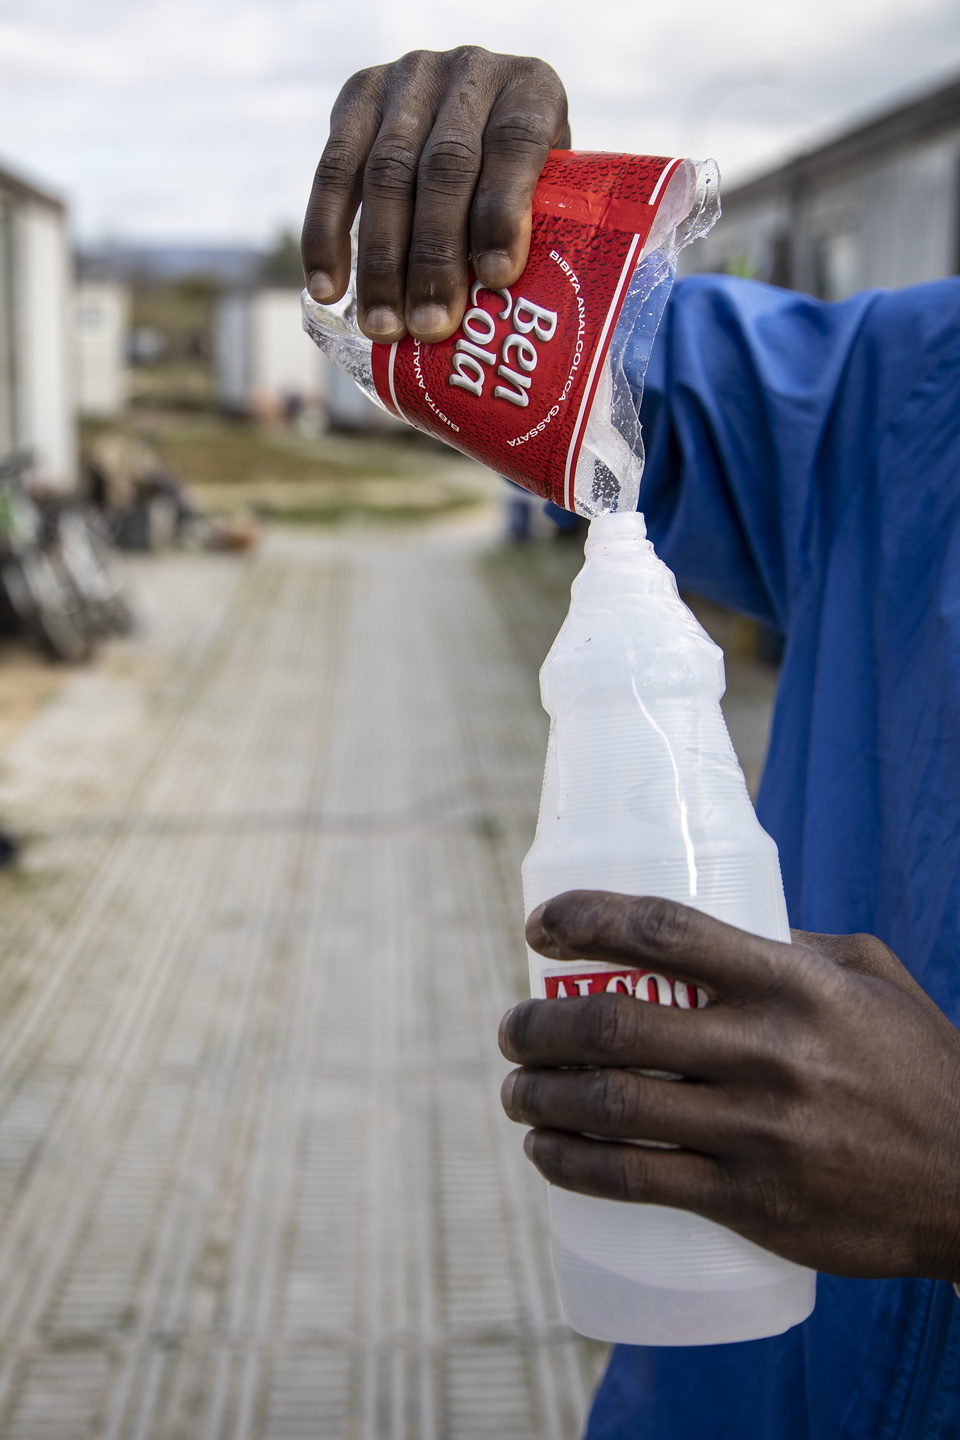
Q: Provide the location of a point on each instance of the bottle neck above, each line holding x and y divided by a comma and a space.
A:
618, 533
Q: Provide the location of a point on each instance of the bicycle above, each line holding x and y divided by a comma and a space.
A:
55, 568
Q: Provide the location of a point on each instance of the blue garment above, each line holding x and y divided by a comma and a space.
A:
803, 466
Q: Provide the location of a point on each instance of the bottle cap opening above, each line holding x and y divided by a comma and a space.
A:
621, 529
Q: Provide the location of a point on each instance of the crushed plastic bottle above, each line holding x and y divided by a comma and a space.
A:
532, 384
643, 794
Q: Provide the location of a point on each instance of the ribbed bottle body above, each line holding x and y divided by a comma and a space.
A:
643, 794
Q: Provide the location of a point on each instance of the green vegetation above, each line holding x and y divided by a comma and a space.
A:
281, 266
235, 469
211, 451
741, 264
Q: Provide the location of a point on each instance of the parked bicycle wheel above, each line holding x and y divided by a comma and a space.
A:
81, 552
55, 568
46, 606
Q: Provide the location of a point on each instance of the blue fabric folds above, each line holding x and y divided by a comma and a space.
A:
803, 466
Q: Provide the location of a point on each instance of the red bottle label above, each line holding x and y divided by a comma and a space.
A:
563, 983
513, 387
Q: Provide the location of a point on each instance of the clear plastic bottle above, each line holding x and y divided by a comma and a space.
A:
335, 329
643, 794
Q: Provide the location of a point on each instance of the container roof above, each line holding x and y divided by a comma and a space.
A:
17, 188
927, 115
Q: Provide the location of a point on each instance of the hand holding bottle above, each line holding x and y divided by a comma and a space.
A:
823, 1107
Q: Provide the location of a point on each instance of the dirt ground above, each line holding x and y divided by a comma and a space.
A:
27, 683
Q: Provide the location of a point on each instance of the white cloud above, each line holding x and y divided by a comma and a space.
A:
204, 118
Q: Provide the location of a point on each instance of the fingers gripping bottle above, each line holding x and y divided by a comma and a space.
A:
643, 794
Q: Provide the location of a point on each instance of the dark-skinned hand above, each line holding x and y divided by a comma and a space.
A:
444, 150
821, 1113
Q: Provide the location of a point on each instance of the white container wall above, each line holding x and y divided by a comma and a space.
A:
44, 379
36, 339
878, 205
101, 326
263, 359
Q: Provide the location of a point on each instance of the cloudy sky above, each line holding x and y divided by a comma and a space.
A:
201, 120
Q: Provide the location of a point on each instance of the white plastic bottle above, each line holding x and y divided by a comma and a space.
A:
643, 794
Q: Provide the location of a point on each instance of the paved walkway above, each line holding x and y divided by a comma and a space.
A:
254, 1179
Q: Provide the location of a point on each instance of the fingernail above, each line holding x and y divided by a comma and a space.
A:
320, 285
427, 320
507, 1089
529, 1140
382, 320
494, 267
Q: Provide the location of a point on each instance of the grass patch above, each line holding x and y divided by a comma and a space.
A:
235, 469
328, 502
227, 456
332, 511
216, 452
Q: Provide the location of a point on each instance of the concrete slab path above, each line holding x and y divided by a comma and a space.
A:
254, 1179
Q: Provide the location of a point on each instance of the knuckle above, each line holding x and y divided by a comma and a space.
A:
338, 166
532, 68
774, 983
412, 65
392, 168
859, 954
467, 57
764, 1197
357, 95
627, 1176
772, 1130
577, 917
617, 1172
436, 252
611, 1099
380, 265
777, 1128
773, 1061
360, 85
450, 160
868, 953
663, 923
412, 79
519, 132
612, 1024
814, 984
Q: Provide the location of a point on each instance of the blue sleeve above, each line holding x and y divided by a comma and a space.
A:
762, 409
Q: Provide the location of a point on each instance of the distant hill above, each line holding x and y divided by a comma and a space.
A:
232, 265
